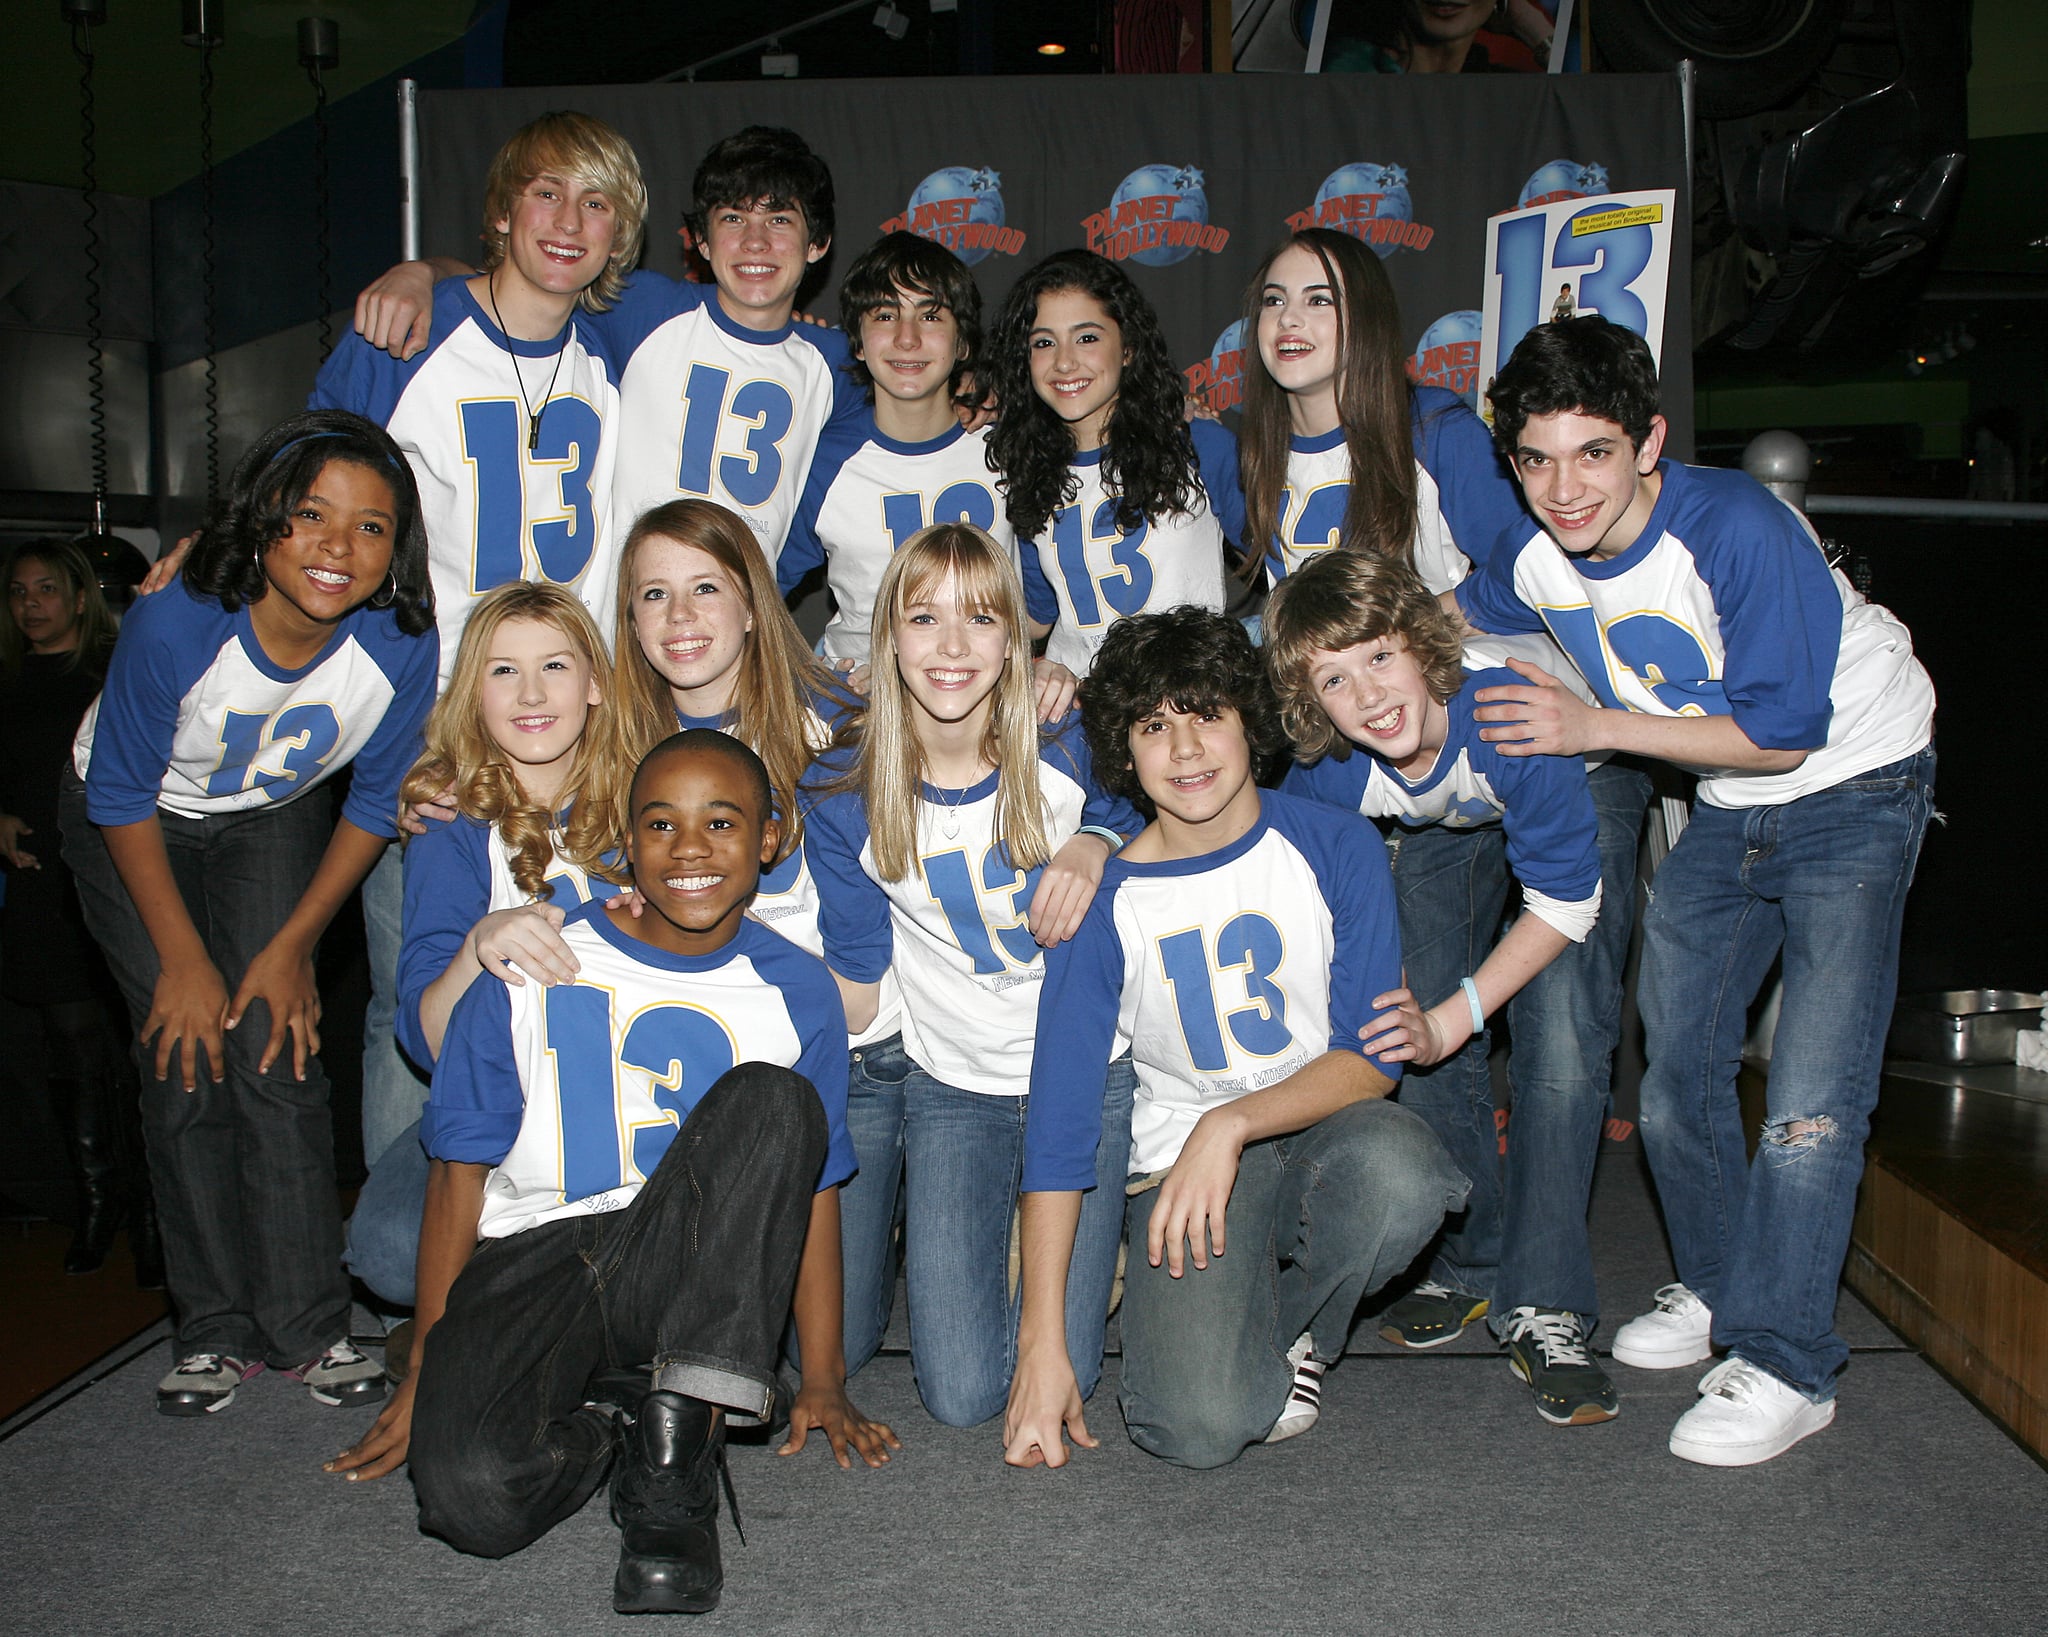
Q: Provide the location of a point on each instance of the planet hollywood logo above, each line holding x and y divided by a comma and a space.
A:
1562, 179
1218, 380
960, 207
1447, 356
1158, 215
1369, 201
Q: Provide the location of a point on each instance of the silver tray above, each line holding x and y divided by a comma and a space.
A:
1962, 1026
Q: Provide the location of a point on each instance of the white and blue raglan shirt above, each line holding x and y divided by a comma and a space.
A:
495, 510
1542, 804
1222, 975
196, 718
716, 411
455, 875
955, 926
867, 494
573, 1093
1084, 573
1724, 606
1465, 497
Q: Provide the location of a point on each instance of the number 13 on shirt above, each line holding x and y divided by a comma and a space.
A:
762, 412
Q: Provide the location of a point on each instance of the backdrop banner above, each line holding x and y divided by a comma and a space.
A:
1186, 180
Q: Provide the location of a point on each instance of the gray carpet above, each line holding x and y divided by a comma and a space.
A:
1430, 1499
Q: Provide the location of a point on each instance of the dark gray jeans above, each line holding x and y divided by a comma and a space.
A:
694, 1276
244, 1170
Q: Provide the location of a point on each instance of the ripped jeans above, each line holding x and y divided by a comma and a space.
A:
1821, 880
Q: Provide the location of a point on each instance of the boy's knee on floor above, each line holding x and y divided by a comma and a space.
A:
468, 1507
1199, 1437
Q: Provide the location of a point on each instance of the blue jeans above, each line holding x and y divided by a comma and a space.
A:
384, 1233
1317, 1222
1523, 1239
1822, 882
394, 1092
243, 1169
963, 1158
871, 1204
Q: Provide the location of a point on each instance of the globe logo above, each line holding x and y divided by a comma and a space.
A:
1219, 379
960, 207
1158, 215
1447, 356
1562, 179
1370, 201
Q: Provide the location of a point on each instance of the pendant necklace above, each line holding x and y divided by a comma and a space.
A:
949, 817
532, 415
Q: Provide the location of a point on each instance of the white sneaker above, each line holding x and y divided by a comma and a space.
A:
1745, 1415
1305, 1399
1676, 1332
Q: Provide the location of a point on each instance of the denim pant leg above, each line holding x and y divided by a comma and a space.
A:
244, 1169
1091, 1273
696, 1273
1565, 1024
384, 1233
869, 1204
1450, 886
394, 1092
1837, 866
963, 1157
1317, 1221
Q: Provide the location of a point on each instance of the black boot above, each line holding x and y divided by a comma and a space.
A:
90, 1126
665, 1502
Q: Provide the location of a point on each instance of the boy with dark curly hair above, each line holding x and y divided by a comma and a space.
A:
1236, 947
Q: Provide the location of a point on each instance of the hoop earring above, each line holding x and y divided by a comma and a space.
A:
386, 594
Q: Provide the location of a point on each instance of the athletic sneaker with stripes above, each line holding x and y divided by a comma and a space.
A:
201, 1383
1305, 1397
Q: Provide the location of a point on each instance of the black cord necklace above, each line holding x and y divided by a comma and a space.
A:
532, 415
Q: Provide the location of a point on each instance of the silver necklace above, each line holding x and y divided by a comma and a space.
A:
532, 415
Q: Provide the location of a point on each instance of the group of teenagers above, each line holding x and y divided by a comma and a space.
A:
739, 970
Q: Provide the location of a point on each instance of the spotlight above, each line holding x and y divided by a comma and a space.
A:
1052, 48
891, 21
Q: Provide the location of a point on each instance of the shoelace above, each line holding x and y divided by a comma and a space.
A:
1557, 1334
1674, 1299
205, 1364
1429, 1287
670, 1479
1736, 1380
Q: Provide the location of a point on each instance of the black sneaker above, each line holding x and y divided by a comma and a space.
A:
1547, 1349
1430, 1315
665, 1502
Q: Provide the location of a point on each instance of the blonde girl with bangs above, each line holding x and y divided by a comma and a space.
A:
535, 763
953, 840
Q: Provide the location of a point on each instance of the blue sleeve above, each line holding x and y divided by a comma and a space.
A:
1331, 782
1488, 599
1547, 816
1350, 863
853, 911
413, 665
802, 550
816, 1006
1067, 750
476, 1101
1041, 602
165, 647
1480, 497
849, 397
367, 379
1077, 1011
1216, 453
1781, 613
447, 891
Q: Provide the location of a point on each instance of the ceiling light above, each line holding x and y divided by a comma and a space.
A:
891, 21
1052, 48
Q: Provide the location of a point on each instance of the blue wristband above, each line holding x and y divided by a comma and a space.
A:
1116, 842
1472, 1000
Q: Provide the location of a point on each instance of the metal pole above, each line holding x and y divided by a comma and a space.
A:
408, 170
1688, 82
1957, 511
